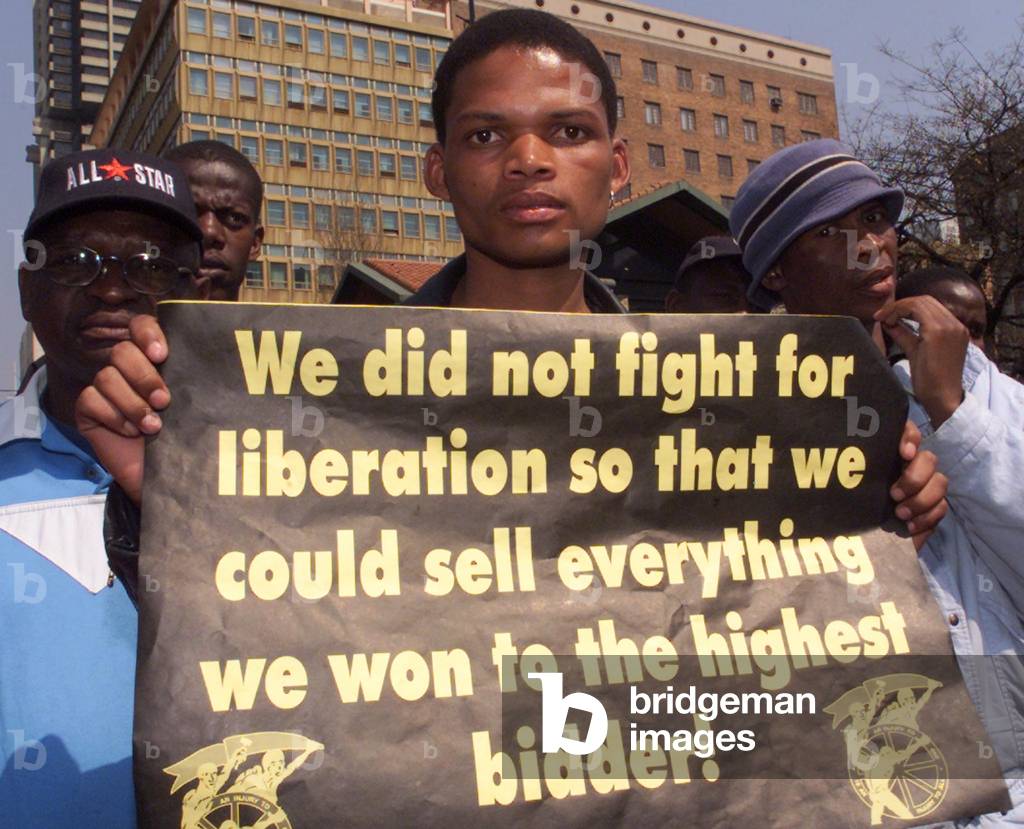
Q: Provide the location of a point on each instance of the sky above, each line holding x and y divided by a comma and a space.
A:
853, 32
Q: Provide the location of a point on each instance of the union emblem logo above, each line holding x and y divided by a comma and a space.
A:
895, 768
232, 791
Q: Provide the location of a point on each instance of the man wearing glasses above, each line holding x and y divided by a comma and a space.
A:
112, 233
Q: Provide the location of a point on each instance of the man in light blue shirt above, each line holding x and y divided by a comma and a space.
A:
817, 231
111, 233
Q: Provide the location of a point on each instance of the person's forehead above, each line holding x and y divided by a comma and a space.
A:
216, 176
112, 228
522, 81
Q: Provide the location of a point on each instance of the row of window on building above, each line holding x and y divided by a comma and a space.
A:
228, 86
342, 39
720, 123
713, 84
691, 160
301, 275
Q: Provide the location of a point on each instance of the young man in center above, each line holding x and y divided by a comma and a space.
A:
527, 154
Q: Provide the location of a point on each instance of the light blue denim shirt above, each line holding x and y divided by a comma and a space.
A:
974, 562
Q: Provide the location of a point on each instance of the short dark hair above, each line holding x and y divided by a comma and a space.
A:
923, 280
213, 151
530, 29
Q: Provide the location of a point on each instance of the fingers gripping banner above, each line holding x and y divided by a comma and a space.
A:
419, 567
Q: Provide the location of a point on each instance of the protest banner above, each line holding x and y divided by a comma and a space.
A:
386, 552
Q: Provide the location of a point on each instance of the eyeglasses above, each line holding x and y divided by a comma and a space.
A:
145, 273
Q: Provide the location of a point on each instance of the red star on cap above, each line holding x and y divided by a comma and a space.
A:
115, 169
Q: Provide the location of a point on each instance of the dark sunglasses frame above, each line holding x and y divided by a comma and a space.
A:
132, 271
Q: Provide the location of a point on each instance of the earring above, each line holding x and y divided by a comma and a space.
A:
611, 198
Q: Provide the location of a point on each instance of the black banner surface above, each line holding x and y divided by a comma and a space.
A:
365, 528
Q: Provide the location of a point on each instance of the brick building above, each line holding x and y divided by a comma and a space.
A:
330, 99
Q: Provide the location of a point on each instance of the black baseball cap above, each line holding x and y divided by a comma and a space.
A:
114, 178
706, 250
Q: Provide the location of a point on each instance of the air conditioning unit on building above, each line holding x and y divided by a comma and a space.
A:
775, 104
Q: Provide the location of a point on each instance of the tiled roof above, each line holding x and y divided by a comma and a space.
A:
410, 275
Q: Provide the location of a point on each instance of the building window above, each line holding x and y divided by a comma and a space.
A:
315, 41
451, 229
347, 218
275, 213
271, 92
747, 92
254, 275
196, 22
364, 162
246, 88
324, 276
343, 160
247, 31
649, 69
273, 151
250, 147
620, 107
270, 33
339, 45
385, 108
293, 37
223, 85
716, 85
296, 154
423, 60
426, 114
656, 155
198, 82
300, 214
807, 135
411, 225
684, 78
296, 96
360, 48
368, 219
363, 105
727, 202
432, 227
221, 24
407, 167
321, 156
403, 54
318, 97
778, 135
387, 164
774, 96
278, 275
652, 114
382, 53
752, 165
614, 62
691, 161
687, 120
341, 102
808, 103
721, 126
405, 115
750, 131
725, 166
322, 216
389, 222
196, 135
302, 277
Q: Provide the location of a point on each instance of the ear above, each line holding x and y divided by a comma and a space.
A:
620, 165
775, 279
257, 243
26, 291
433, 172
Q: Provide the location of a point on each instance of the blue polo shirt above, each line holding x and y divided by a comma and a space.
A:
67, 633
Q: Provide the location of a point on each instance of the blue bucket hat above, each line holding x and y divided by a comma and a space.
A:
794, 190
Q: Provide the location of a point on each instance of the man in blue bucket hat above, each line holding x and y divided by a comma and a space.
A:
817, 230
